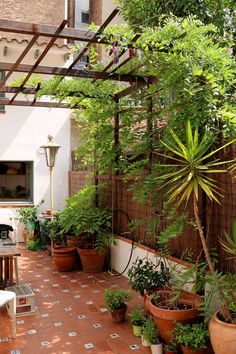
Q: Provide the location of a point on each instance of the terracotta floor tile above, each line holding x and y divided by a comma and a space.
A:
61, 300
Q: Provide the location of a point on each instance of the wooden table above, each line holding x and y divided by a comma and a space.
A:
7, 254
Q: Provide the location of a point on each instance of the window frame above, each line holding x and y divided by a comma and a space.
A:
2, 94
29, 173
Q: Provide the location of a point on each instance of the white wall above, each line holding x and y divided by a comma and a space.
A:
24, 129
120, 255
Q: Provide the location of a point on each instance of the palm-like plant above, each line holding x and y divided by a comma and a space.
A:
229, 244
189, 167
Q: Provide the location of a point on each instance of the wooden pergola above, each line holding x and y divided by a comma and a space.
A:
54, 33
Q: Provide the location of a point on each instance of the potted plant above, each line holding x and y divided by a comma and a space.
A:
187, 168
64, 256
137, 319
222, 331
92, 224
115, 300
168, 307
193, 338
151, 337
28, 216
170, 348
145, 276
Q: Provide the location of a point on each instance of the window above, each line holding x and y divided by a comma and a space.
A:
2, 94
82, 63
16, 181
81, 13
85, 17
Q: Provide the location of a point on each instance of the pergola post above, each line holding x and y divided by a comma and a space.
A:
116, 134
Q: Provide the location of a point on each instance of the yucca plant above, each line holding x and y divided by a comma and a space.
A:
189, 167
229, 244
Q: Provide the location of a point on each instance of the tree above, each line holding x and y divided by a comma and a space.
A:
149, 13
191, 166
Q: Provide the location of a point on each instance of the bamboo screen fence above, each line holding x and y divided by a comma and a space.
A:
217, 219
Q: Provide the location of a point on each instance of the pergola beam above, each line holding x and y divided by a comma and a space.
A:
33, 91
21, 57
41, 57
6, 102
48, 31
80, 54
47, 70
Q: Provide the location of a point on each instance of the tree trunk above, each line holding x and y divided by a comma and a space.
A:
201, 234
224, 307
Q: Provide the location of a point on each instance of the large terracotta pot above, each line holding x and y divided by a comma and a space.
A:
222, 335
200, 351
72, 240
92, 261
24, 233
75, 241
118, 315
64, 258
165, 318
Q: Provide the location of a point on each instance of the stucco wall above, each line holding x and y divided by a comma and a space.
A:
24, 129
36, 11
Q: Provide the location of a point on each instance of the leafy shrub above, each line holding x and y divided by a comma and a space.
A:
144, 276
192, 336
150, 332
116, 298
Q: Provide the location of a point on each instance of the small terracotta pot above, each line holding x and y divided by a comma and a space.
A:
64, 258
222, 335
165, 318
118, 315
92, 261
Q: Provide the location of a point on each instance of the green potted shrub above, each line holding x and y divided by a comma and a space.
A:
193, 338
150, 336
170, 348
145, 276
92, 225
64, 256
115, 300
28, 217
137, 319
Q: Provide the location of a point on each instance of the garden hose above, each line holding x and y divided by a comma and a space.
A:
132, 245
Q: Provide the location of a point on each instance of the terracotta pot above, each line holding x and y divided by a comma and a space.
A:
64, 258
200, 351
165, 318
24, 233
222, 335
170, 352
118, 315
92, 261
75, 241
